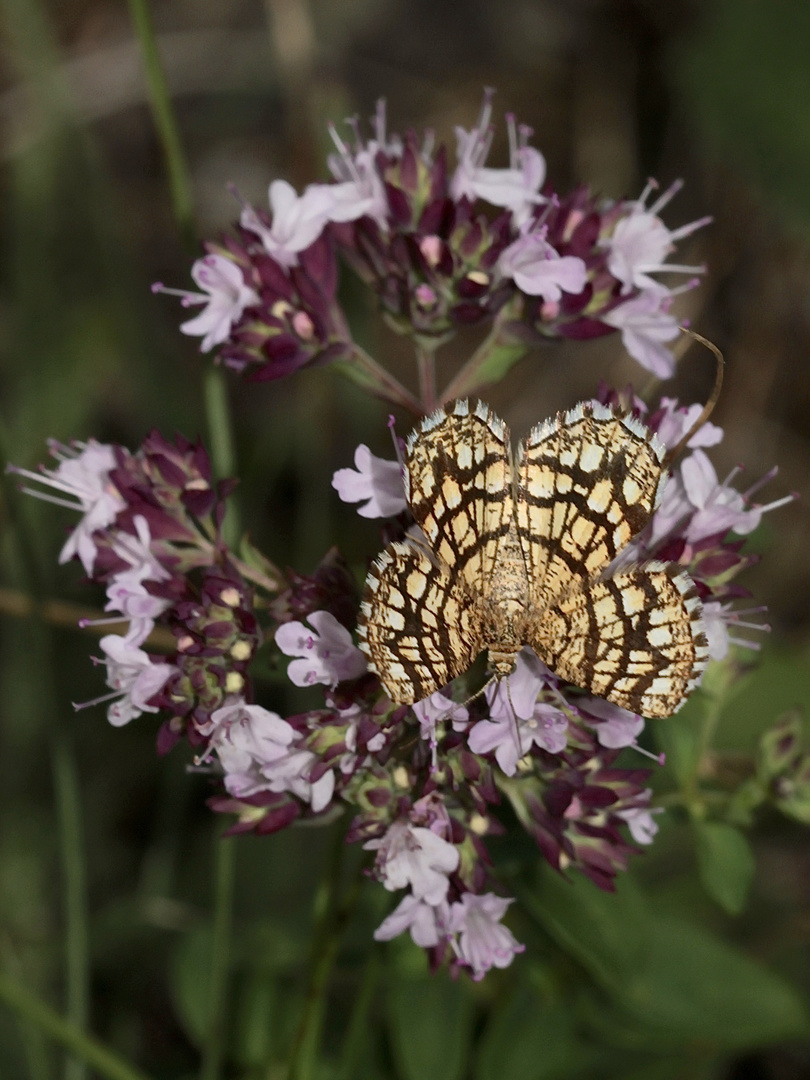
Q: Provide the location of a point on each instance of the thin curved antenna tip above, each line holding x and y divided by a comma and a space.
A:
708, 408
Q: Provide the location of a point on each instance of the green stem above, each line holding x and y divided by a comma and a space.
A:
67, 792
364, 369
426, 362
490, 361
270, 585
68, 800
357, 1035
92, 1052
220, 434
216, 401
214, 1049
219, 423
331, 917
165, 122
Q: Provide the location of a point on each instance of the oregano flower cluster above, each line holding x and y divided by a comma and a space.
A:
440, 245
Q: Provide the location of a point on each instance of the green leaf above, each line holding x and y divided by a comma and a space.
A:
696, 990
189, 976
593, 925
256, 1019
679, 738
499, 361
669, 982
430, 1022
528, 1038
726, 864
672, 1068
780, 683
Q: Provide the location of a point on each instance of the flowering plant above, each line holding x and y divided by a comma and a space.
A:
426, 788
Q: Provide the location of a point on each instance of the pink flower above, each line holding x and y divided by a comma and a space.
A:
718, 506
538, 270
126, 594
257, 751
374, 479
615, 727
84, 474
517, 721
721, 619
426, 922
516, 188
483, 943
327, 652
643, 826
641, 242
411, 855
225, 296
671, 421
298, 221
361, 192
133, 677
645, 323
438, 709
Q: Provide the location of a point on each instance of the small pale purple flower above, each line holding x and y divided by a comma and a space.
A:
717, 506
671, 422
410, 855
298, 220
84, 474
721, 619
640, 820
361, 192
483, 942
645, 324
127, 594
615, 727
516, 188
426, 922
539, 270
517, 721
133, 677
327, 653
374, 479
225, 296
257, 751
439, 709
641, 242
139, 553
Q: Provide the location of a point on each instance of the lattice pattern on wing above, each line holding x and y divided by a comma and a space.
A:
417, 626
459, 487
637, 639
587, 482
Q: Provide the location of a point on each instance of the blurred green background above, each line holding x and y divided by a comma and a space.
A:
659, 982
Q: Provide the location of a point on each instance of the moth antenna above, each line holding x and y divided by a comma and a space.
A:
493, 678
708, 408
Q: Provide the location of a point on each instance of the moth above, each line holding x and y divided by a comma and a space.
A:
516, 550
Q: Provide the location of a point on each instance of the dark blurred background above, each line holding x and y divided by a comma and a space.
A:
716, 92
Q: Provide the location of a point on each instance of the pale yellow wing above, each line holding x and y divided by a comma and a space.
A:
417, 626
458, 484
637, 639
587, 482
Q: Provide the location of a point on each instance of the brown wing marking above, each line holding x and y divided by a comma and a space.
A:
418, 627
459, 486
587, 482
637, 639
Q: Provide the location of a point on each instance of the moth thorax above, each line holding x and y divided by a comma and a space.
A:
502, 661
